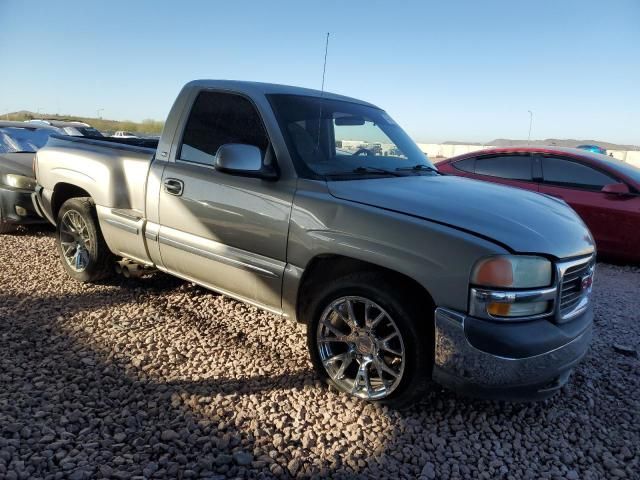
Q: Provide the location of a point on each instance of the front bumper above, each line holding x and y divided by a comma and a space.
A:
25, 213
508, 361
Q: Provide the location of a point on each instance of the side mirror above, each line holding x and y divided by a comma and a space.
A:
616, 189
243, 160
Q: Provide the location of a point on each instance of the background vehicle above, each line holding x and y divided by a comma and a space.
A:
72, 128
123, 134
593, 149
18, 144
604, 191
400, 273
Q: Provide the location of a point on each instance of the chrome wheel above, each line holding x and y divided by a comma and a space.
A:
361, 347
75, 240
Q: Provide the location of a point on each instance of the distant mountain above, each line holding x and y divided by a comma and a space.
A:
451, 142
21, 113
505, 142
152, 127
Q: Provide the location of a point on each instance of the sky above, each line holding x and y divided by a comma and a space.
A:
445, 70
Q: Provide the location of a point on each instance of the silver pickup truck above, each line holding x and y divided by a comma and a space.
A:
402, 275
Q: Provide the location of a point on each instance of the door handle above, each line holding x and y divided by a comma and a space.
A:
173, 186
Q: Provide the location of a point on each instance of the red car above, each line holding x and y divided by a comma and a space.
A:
604, 191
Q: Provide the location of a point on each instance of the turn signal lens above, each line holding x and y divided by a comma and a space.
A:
512, 271
525, 309
499, 309
494, 272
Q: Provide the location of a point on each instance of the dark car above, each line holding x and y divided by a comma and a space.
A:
18, 143
70, 127
604, 191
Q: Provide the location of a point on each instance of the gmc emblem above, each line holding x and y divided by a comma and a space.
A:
586, 282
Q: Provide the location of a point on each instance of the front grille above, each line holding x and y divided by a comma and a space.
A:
572, 292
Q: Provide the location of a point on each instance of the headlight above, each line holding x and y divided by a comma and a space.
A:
18, 181
512, 271
511, 287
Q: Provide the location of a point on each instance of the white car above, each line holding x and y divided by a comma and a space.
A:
123, 134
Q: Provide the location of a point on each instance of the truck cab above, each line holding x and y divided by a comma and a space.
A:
401, 274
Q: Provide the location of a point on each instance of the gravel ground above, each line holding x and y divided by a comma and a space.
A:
157, 378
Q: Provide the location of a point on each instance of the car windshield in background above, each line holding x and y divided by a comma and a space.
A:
18, 139
332, 137
89, 132
81, 131
623, 167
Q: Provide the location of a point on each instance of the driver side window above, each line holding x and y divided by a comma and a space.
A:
217, 119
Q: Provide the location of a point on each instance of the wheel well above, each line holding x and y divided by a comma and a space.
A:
325, 268
63, 192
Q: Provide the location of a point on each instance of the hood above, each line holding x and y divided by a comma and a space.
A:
522, 221
20, 163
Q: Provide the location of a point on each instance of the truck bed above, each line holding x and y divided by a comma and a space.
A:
112, 172
147, 143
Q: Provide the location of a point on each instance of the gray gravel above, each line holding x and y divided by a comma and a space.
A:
157, 378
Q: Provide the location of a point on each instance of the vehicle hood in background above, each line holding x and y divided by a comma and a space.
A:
20, 163
523, 221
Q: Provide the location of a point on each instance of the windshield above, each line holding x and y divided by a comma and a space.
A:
330, 137
18, 139
625, 168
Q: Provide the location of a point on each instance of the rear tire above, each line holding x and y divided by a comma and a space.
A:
395, 372
83, 252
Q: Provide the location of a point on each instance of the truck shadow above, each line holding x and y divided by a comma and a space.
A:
82, 402
90, 407
72, 394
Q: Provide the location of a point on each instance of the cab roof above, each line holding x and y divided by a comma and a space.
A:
241, 86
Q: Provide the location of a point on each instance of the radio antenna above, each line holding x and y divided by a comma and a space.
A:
324, 70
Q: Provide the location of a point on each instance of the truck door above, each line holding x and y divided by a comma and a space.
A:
224, 231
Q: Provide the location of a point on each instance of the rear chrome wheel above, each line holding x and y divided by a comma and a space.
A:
75, 241
361, 347
83, 251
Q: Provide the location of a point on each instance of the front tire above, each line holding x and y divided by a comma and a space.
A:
368, 338
81, 246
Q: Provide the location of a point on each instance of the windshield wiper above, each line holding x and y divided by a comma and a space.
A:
375, 170
367, 170
421, 167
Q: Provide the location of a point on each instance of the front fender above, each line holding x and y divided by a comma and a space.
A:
438, 257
